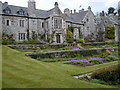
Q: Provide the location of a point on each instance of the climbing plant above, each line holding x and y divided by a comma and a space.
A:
110, 32
69, 35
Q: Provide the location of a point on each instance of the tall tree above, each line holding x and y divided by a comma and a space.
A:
111, 10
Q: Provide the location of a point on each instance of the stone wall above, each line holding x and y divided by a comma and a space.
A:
69, 54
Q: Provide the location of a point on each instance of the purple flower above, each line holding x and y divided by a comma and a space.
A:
76, 48
74, 60
87, 60
51, 49
96, 58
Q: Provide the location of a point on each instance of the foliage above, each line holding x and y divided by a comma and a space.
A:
20, 71
69, 35
100, 35
79, 62
110, 32
111, 77
90, 38
80, 41
98, 81
96, 61
7, 39
42, 36
34, 35
30, 41
52, 36
109, 41
80, 33
111, 10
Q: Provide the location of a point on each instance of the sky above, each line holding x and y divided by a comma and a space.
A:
96, 5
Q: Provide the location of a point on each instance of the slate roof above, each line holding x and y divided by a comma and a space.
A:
74, 18
14, 9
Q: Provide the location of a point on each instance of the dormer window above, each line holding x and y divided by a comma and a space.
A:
21, 12
7, 10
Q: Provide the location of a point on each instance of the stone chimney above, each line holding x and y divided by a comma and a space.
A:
89, 8
67, 11
56, 4
81, 10
31, 7
71, 11
5, 3
74, 10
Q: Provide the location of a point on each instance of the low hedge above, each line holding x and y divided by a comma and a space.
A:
111, 77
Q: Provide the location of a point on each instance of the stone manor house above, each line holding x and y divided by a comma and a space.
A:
23, 22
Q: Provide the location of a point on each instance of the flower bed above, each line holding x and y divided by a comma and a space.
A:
51, 49
87, 62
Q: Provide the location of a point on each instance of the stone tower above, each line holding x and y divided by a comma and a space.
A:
31, 7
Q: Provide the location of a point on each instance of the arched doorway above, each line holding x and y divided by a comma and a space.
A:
58, 38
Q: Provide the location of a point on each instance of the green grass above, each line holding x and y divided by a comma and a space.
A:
20, 71
0, 66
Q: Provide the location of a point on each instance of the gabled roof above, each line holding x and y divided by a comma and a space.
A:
14, 9
76, 17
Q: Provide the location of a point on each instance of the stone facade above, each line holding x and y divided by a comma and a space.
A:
49, 25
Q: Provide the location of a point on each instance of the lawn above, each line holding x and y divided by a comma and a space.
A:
20, 71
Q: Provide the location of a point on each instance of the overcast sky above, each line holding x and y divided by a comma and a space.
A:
96, 5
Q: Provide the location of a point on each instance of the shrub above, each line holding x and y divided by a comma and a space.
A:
109, 41
7, 39
96, 61
31, 41
110, 32
69, 35
79, 62
98, 81
111, 77
80, 41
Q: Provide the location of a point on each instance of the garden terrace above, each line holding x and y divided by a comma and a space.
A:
21, 71
94, 43
70, 53
40, 46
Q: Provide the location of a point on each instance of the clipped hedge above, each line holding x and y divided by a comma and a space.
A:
109, 75
67, 54
40, 46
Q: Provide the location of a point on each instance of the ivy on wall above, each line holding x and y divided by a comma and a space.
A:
110, 32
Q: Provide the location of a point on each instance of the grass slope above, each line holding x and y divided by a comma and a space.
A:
20, 71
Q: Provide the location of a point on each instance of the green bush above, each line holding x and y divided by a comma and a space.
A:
109, 41
69, 35
96, 61
98, 81
80, 41
111, 77
113, 58
31, 41
110, 32
7, 39
79, 62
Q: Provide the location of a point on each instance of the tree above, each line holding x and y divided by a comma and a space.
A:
111, 10
69, 35
110, 32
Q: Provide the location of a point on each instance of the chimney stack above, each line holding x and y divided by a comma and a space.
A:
74, 10
71, 11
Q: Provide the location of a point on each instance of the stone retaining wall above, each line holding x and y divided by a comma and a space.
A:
70, 53
41, 46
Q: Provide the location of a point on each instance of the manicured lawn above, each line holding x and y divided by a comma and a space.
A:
20, 71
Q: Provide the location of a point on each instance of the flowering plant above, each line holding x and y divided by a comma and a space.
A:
51, 49
87, 60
